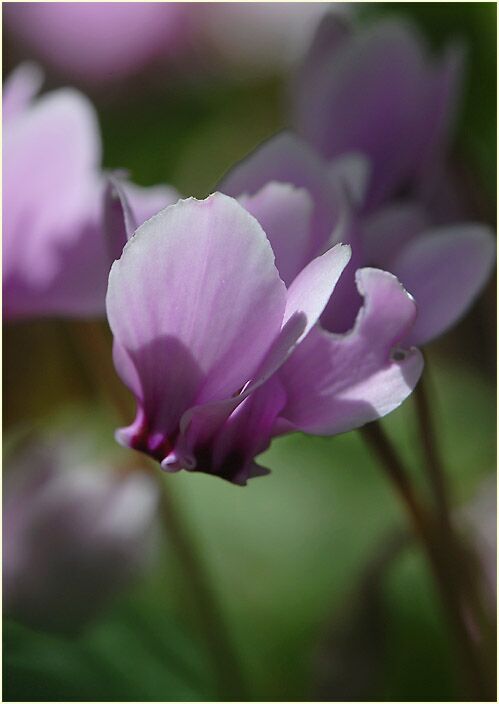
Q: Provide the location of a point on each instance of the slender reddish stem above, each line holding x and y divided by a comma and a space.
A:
462, 562
476, 672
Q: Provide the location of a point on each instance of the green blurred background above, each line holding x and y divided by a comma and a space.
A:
325, 594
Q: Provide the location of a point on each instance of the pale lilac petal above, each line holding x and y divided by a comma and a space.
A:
200, 424
19, 89
71, 279
353, 173
335, 383
389, 229
311, 290
331, 33
285, 213
119, 219
126, 368
126, 206
341, 310
55, 148
146, 201
287, 159
443, 85
444, 269
196, 301
367, 97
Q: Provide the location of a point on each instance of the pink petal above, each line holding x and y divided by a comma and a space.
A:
19, 89
126, 206
196, 302
287, 159
367, 96
444, 269
335, 383
311, 290
444, 86
285, 213
389, 229
207, 432
50, 159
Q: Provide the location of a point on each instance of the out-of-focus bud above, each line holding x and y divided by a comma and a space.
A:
74, 536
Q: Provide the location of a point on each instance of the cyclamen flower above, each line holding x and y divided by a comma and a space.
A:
443, 267
221, 355
74, 536
56, 256
377, 91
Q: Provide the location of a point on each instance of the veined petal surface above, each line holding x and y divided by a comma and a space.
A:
196, 301
335, 383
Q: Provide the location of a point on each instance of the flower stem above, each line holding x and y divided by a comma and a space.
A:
433, 463
462, 562
230, 679
94, 339
477, 677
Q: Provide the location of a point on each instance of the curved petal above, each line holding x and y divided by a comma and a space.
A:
367, 97
335, 383
353, 172
126, 206
246, 434
119, 219
341, 310
388, 229
20, 87
201, 424
146, 201
333, 30
444, 84
55, 148
311, 290
287, 159
444, 269
71, 277
285, 213
196, 301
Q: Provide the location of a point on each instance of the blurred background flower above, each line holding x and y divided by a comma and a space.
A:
74, 534
107, 43
56, 250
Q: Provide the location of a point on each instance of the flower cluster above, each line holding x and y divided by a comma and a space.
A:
289, 300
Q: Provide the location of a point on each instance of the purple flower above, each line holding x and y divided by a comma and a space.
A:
55, 253
221, 354
74, 536
443, 267
376, 90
